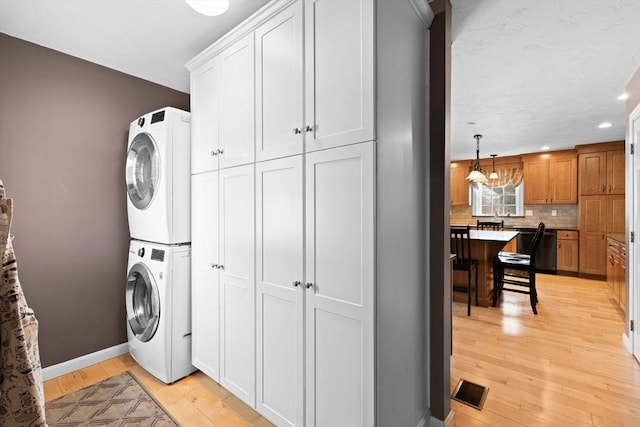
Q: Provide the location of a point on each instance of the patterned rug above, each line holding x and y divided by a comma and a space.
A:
116, 401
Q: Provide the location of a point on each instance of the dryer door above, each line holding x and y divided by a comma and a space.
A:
143, 170
143, 302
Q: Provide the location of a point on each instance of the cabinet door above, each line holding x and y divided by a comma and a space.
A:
622, 278
237, 121
536, 182
615, 213
339, 66
279, 290
593, 173
339, 270
205, 283
563, 180
567, 255
205, 100
279, 122
592, 235
615, 172
459, 185
237, 282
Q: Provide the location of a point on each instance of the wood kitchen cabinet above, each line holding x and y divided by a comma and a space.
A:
616, 271
550, 178
601, 168
592, 219
567, 251
459, 184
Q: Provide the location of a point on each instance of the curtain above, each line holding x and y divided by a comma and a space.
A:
506, 174
21, 391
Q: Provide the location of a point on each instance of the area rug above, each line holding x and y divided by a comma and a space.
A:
117, 401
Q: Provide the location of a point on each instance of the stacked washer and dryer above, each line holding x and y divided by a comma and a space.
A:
158, 293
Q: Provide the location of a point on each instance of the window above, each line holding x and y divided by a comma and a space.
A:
502, 200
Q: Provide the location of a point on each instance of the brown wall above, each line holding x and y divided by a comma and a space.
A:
63, 135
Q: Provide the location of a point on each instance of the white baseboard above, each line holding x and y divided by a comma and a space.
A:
435, 422
626, 341
63, 368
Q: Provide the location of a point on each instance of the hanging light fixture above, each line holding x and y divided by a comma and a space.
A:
493, 174
476, 174
209, 7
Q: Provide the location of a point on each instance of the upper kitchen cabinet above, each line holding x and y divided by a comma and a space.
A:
602, 169
205, 101
550, 178
459, 184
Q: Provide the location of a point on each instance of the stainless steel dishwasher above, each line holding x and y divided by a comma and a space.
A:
546, 255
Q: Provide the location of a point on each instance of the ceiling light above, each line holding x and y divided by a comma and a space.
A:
623, 97
476, 174
604, 125
494, 174
209, 7
545, 148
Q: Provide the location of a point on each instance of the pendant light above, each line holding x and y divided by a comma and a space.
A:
209, 7
493, 174
476, 174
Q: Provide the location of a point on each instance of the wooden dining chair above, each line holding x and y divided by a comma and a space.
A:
491, 225
518, 271
461, 247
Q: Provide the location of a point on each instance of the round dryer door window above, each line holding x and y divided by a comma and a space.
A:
143, 302
143, 170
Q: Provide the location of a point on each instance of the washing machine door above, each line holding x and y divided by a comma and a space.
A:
143, 170
143, 302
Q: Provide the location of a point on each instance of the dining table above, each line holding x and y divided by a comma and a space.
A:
485, 245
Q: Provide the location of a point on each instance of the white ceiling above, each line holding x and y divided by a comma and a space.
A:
528, 73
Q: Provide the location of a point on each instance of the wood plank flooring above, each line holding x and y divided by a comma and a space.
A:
564, 367
567, 366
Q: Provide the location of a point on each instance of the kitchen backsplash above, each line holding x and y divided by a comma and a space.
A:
566, 216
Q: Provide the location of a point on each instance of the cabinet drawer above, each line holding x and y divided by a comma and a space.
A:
568, 234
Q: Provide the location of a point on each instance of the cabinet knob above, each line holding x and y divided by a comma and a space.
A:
296, 131
308, 285
603, 188
609, 188
308, 128
297, 283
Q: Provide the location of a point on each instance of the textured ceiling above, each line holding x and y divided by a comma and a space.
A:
545, 72
150, 39
528, 73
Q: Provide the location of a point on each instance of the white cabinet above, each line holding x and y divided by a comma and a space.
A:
339, 66
334, 300
205, 279
279, 121
339, 268
237, 282
237, 121
280, 290
338, 79
205, 99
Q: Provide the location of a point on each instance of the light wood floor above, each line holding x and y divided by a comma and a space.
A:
564, 367
567, 366
193, 401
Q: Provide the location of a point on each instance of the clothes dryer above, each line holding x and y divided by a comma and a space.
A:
158, 301
158, 177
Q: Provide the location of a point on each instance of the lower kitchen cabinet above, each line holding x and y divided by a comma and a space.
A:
567, 251
616, 271
593, 229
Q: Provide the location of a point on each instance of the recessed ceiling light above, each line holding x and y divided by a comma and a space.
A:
604, 125
623, 96
545, 148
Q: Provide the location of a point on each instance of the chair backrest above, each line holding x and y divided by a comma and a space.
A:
492, 225
461, 245
537, 238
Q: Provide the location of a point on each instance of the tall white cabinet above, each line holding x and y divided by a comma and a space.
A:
284, 213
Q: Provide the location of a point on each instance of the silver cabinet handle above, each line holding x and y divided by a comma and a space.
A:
214, 265
213, 153
308, 285
297, 283
221, 267
296, 131
220, 152
308, 128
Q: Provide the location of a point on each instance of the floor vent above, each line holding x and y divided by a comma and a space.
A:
470, 394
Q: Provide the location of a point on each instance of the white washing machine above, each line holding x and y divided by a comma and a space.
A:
158, 174
158, 300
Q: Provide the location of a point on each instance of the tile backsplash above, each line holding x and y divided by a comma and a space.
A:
566, 216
